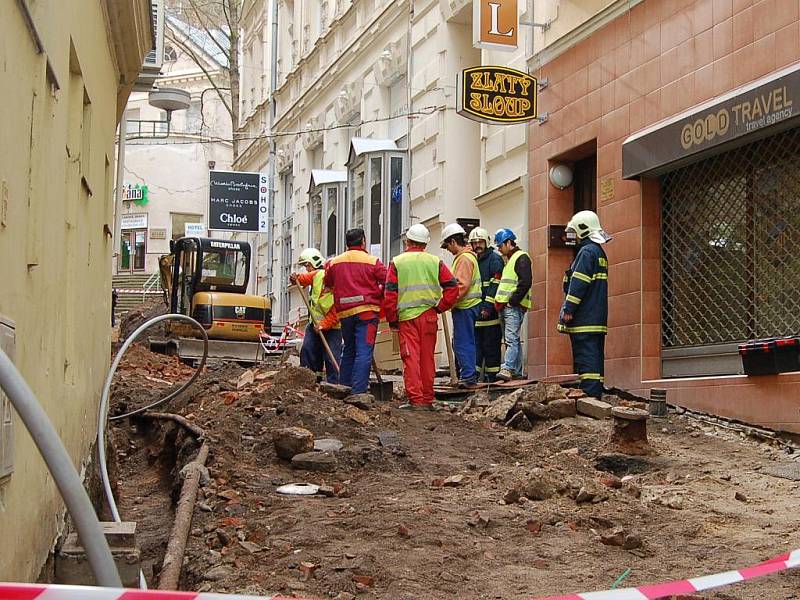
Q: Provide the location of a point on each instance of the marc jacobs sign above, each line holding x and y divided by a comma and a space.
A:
688, 137
496, 95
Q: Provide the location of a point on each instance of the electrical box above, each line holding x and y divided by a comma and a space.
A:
8, 345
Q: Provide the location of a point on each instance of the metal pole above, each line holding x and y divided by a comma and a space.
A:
273, 86
117, 238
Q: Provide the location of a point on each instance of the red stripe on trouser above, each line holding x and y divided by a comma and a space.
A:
21, 592
417, 347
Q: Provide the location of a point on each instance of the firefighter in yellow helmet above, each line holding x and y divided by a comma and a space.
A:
312, 353
584, 314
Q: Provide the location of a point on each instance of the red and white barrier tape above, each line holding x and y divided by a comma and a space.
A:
790, 560
22, 591
680, 587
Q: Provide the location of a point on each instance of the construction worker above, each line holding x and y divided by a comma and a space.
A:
512, 300
313, 353
467, 307
584, 314
419, 286
488, 333
357, 281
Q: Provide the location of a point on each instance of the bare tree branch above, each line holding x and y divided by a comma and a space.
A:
186, 48
225, 51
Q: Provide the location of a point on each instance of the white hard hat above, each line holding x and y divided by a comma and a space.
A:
418, 233
586, 224
452, 229
313, 257
479, 233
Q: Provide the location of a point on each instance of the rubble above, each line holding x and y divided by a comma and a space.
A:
361, 401
296, 378
548, 477
592, 407
315, 461
291, 441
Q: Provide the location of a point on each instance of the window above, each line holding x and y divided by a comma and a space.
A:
315, 219
224, 267
385, 214
730, 271
179, 222
288, 193
170, 54
332, 224
376, 203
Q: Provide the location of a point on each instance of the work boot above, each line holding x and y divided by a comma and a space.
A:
362, 401
467, 385
504, 375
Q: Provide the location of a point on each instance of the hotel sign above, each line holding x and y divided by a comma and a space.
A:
496, 95
495, 24
718, 126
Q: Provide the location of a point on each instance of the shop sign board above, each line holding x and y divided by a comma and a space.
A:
493, 94
495, 24
238, 201
715, 126
137, 221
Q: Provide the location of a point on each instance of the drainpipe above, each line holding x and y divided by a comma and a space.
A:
117, 238
409, 119
273, 86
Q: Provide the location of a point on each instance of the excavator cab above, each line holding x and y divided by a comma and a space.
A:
207, 279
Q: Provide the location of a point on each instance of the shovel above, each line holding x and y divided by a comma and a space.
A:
321, 335
381, 390
450, 358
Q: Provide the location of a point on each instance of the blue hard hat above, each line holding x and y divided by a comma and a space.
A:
503, 235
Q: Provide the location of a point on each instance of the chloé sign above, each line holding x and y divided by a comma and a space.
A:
496, 95
715, 126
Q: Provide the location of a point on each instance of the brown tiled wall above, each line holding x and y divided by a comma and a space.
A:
658, 59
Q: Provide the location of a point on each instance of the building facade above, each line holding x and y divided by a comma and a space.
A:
68, 69
679, 123
367, 132
166, 172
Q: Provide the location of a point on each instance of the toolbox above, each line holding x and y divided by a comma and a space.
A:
771, 355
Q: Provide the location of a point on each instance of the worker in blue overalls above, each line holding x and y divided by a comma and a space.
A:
584, 314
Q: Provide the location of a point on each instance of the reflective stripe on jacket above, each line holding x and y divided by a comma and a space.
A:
509, 282
356, 279
586, 291
418, 286
473, 295
321, 299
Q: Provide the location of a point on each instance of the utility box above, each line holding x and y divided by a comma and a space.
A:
8, 345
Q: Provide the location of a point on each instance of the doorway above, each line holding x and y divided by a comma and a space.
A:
133, 250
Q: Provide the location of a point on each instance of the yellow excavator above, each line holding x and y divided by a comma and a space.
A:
207, 279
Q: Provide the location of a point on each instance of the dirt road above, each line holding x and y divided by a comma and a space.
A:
395, 526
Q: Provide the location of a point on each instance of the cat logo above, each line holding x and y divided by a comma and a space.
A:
240, 311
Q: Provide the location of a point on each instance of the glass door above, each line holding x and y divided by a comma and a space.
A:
125, 252
139, 249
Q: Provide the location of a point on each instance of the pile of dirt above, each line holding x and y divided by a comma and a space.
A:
134, 318
433, 505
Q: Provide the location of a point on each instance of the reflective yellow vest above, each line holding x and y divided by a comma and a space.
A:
509, 282
473, 296
321, 299
418, 286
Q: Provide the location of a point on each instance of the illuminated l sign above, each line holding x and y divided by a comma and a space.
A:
495, 24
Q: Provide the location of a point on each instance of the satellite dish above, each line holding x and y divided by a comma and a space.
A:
169, 99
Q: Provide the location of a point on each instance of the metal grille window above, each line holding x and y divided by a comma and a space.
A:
730, 260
